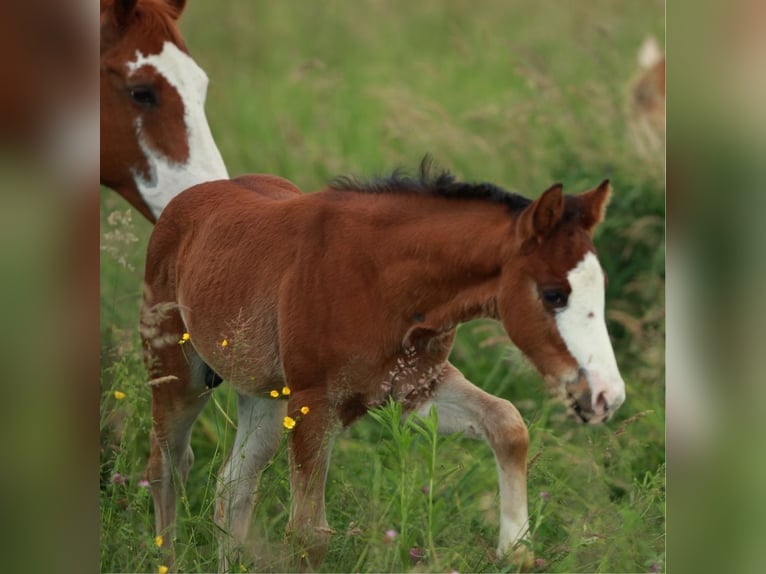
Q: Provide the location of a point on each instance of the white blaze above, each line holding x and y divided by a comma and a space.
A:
582, 325
167, 178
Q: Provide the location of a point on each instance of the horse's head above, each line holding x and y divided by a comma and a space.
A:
552, 302
155, 139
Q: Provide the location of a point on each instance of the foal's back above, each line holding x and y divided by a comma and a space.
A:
213, 220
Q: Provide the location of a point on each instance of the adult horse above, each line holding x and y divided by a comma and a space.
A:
155, 139
349, 297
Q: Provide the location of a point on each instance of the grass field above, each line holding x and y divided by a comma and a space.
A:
521, 94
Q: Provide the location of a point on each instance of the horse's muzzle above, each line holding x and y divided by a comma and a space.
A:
581, 403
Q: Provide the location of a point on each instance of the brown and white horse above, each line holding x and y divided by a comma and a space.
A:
155, 139
350, 296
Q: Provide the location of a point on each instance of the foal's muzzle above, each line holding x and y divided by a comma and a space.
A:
581, 403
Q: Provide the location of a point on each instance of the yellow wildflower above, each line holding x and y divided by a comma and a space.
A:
224, 343
185, 337
158, 541
162, 570
285, 391
274, 394
305, 410
119, 395
289, 423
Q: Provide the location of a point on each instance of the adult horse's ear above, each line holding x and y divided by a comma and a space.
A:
178, 6
593, 205
123, 10
540, 217
115, 16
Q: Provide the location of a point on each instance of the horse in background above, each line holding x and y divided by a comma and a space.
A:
350, 297
647, 99
155, 139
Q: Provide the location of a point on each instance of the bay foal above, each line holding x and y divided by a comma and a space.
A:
155, 139
348, 297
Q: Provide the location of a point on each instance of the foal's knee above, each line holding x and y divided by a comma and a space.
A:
506, 430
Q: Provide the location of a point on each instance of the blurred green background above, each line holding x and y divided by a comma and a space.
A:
516, 93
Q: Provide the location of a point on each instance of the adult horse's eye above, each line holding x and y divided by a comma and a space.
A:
555, 298
143, 95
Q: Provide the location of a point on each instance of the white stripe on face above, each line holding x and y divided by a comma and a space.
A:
583, 327
167, 179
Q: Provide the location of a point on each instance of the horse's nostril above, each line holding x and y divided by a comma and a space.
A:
602, 403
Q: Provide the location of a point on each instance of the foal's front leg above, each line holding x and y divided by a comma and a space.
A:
463, 407
310, 445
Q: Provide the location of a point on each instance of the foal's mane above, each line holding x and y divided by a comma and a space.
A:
432, 182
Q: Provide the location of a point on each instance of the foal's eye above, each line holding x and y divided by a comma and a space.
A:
555, 297
143, 95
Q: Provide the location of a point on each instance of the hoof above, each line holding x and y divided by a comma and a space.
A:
310, 546
521, 556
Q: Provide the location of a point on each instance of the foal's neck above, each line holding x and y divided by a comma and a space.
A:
444, 264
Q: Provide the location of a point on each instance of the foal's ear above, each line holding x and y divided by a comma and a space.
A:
593, 205
540, 217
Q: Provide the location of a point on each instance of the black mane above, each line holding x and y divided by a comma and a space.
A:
432, 182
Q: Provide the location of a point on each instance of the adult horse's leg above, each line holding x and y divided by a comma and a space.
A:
179, 392
310, 446
259, 430
463, 407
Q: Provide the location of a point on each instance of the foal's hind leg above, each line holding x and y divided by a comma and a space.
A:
179, 393
259, 430
463, 407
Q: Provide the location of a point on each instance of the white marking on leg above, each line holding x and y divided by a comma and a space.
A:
582, 325
514, 517
463, 407
167, 178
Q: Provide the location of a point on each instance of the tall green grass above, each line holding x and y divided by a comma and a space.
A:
520, 94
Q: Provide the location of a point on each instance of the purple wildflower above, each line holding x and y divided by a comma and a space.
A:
417, 555
117, 478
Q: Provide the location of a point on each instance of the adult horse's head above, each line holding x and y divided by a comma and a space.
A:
155, 139
552, 303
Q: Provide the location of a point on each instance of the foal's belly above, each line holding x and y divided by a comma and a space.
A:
240, 344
